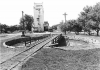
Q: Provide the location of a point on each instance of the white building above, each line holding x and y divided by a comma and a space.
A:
38, 17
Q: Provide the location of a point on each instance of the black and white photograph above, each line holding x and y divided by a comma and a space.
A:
49, 34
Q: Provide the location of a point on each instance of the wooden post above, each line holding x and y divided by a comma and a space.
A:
23, 31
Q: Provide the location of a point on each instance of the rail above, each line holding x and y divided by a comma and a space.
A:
16, 60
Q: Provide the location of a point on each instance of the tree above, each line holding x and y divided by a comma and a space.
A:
27, 20
89, 26
90, 18
70, 24
63, 28
14, 28
84, 17
76, 27
3, 28
95, 16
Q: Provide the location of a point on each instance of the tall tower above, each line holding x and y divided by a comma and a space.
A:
38, 16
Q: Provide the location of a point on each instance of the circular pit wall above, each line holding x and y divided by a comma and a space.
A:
79, 43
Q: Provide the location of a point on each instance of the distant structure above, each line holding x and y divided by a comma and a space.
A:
59, 25
38, 17
46, 26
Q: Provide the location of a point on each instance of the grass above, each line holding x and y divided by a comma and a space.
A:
57, 59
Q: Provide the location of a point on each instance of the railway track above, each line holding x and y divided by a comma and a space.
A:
13, 62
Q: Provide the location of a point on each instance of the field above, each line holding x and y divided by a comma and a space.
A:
58, 59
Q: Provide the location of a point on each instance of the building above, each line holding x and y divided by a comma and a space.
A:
38, 17
46, 26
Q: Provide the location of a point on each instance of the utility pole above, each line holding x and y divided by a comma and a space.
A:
23, 32
65, 16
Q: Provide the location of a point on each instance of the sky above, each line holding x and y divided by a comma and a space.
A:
11, 10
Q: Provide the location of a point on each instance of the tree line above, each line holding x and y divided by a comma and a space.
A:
88, 20
26, 19
26, 23
9, 29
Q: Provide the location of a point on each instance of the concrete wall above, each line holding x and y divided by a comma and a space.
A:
39, 13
